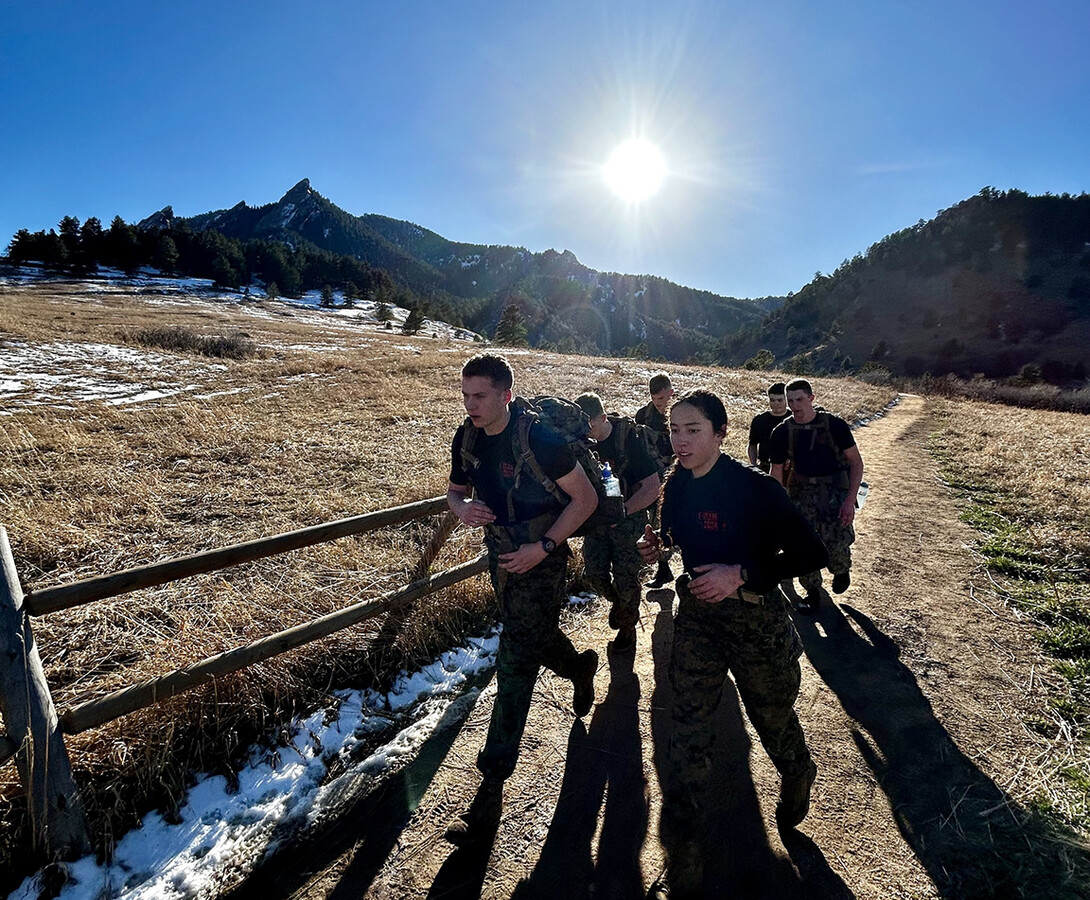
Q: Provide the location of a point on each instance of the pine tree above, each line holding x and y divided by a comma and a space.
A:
327, 297
166, 254
69, 229
20, 248
91, 239
383, 313
511, 330
414, 321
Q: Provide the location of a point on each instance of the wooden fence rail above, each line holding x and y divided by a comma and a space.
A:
52, 599
148, 693
34, 731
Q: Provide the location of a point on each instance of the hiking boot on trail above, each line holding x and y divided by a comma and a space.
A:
684, 876
841, 580
663, 576
625, 640
482, 818
583, 698
795, 797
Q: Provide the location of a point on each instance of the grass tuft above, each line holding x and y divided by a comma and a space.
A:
185, 340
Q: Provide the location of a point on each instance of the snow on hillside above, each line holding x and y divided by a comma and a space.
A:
64, 374
149, 284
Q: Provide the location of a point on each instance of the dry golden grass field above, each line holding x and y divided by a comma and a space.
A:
114, 454
327, 420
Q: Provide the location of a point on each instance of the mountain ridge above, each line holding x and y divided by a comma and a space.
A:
565, 304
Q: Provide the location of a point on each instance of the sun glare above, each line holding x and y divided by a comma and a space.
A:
635, 170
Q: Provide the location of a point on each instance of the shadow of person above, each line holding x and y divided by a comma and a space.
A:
462, 875
971, 837
615, 733
739, 859
602, 762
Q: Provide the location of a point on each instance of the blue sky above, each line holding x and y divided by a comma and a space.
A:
796, 132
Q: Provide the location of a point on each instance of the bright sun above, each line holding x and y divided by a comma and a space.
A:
635, 170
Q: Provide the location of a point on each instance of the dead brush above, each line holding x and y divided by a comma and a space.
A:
185, 340
305, 436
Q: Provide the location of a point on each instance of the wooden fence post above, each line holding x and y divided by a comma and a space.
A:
446, 527
56, 810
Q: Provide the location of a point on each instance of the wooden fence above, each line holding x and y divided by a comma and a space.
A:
35, 730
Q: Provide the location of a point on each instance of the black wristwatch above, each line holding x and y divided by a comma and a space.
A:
548, 544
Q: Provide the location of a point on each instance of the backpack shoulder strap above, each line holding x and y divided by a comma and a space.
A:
525, 456
469, 439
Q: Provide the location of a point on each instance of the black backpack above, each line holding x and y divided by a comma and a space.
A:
647, 436
573, 425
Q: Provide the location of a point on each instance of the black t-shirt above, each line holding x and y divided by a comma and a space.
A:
630, 463
651, 417
496, 474
760, 430
815, 453
737, 515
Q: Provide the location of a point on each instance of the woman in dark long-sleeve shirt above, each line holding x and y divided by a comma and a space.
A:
739, 535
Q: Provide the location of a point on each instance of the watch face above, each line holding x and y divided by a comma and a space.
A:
549, 544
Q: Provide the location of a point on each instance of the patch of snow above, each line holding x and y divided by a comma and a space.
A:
57, 373
278, 792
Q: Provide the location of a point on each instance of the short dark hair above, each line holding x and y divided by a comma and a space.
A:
799, 384
777, 389
491, 366
708, 404
591, 404
660, 381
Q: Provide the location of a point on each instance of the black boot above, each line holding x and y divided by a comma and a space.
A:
684, 875
663, 576
483, 816
625, 639
841, 580
583, 698
795, 797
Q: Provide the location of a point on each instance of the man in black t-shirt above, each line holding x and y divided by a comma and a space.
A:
814, 455
526, 529
653, 416
611, 561
760, 429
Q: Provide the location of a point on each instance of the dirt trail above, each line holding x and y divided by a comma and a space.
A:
912, 701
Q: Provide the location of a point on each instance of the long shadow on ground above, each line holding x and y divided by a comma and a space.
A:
972, 838
368, 826
739, 858
604, 761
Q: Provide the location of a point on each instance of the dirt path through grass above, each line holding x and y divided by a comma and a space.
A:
913, 698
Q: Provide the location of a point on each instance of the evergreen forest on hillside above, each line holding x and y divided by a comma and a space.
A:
998, 283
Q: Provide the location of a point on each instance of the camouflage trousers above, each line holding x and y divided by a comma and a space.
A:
759, 647
529, 607
820, 503
612, 564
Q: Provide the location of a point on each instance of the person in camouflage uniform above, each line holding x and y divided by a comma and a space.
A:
611, 562
739, 535
814, 454
526, 529
653, 416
